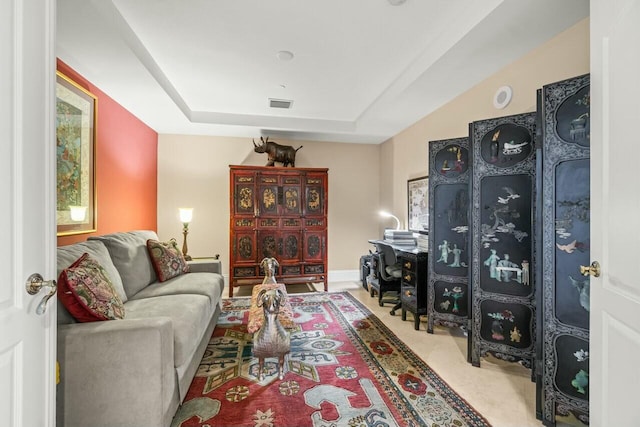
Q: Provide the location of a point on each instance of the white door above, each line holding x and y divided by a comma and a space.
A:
615, 213
27, 222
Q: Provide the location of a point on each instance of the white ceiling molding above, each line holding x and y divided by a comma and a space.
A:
361, 76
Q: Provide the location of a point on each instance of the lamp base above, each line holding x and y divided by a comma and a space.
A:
185, 231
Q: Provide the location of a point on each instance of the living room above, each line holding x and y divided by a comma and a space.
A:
143, 177
172, 171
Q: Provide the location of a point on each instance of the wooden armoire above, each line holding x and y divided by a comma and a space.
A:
281, 213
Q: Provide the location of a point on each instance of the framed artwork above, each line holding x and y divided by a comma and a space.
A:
418, 197
75, 157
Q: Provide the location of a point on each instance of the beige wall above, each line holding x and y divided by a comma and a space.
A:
565, 56
193, 171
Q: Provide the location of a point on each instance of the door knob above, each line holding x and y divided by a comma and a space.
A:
592, 270
34, 284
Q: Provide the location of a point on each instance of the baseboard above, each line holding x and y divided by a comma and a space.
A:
344, 276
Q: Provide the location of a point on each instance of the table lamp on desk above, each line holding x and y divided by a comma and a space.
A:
386, 214
397, 236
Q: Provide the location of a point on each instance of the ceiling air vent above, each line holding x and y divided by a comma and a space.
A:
280, 103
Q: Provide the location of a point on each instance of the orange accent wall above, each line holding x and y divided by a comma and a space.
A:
126, 167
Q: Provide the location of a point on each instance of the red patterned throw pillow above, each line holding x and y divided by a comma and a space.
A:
87, 292
167, 259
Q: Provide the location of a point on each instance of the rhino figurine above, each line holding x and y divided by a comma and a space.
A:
284, 154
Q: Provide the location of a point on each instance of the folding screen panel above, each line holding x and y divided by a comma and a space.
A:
502, 244
565, 247
448, 294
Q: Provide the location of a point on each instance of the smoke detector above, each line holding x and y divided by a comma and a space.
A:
502, 97
280, 103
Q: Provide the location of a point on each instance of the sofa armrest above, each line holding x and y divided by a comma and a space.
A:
207, 265
118, 372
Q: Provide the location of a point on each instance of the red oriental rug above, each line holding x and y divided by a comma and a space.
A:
346, 368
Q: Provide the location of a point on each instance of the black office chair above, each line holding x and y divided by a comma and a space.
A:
386, 274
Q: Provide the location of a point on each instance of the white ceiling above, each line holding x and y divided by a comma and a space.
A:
362, 71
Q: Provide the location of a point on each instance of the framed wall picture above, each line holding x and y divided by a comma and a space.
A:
76, 110
418, 198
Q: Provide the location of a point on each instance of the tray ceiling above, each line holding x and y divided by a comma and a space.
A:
361, 70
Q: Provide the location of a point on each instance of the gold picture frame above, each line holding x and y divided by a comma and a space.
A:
76, 111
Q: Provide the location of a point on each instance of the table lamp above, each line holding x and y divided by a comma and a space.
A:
186, 215
78, 213
389, 215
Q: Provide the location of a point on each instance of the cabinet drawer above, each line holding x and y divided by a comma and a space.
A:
246, 223
409, 277
291, 223
408, 264
314, 269
290, 270
408, 295
276, 223
315, 223
241, 272
268, 223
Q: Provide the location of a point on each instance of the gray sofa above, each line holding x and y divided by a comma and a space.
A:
133, 372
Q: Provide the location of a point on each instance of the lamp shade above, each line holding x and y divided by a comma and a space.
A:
389, 215
186, 215
78, 213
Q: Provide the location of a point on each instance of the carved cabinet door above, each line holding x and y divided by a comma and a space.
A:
291, 197
314, 247
244, 194
315, 203
315, 223
290, 246
244, 252
285, 246
268, 195
279, 195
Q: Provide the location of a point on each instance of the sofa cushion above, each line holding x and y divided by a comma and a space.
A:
86, 291
129, 253
67, 255
189, 314
167, 260
210, 285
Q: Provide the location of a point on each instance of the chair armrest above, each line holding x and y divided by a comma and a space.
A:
107, 366
207, 265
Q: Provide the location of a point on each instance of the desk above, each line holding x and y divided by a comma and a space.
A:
414, 281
